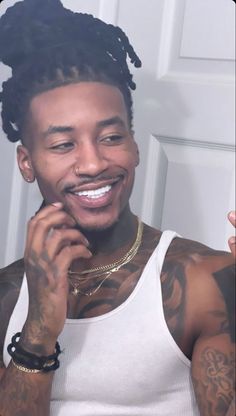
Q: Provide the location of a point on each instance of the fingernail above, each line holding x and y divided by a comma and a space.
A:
232, 214
232, 240
86, 243
57, 204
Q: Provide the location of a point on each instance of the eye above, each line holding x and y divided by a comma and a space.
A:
62, 146
113, 139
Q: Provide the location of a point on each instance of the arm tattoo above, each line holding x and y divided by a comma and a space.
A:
24, 395
174, 297
216, 384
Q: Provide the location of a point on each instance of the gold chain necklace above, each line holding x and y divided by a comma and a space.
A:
106, 270
77, 291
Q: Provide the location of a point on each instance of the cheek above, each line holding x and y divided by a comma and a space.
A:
47, 177
47, 188
132, 163
133, 154
48, 169
128, 157
128, 162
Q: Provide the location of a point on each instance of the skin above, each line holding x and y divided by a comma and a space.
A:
103, 149
95, 136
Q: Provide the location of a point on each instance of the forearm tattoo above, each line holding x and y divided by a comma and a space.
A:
214, 390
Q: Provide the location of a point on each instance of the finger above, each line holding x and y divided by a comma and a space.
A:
56, 271
41, 214
232, 246
40, 228
232, 218
69, 254
60, 238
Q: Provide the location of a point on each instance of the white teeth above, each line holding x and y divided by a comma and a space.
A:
94, 193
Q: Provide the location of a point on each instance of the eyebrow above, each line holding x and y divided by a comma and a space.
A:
56, 129
111, 121
68, 129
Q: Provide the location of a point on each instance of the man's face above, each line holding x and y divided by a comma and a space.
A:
81, 151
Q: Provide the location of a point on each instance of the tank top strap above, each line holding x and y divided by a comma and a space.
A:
163, 246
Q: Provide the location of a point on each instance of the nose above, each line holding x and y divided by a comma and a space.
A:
90, 160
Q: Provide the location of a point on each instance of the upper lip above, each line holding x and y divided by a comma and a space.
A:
92, 186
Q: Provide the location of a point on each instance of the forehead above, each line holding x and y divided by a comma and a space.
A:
75, 104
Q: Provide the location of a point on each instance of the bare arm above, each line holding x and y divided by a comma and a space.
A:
24, 394
213, 361
50, 249
20, 393
198, 297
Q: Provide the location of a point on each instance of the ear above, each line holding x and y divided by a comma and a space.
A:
137, 155
24, 163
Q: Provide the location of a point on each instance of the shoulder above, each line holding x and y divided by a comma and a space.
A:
15, 269
196, 257
202, 266
198, 289
10, 282
11, 277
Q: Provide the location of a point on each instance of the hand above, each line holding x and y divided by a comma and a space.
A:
52, 244
232, 240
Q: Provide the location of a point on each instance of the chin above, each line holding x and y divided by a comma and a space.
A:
98, 221
97, 226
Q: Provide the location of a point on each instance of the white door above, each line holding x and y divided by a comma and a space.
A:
185, 114
184, 120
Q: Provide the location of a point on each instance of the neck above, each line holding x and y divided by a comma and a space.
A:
112, 243
115, 237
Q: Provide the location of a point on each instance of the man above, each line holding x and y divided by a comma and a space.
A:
144, 318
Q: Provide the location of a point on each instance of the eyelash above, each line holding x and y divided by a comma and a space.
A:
112, 139
62, 146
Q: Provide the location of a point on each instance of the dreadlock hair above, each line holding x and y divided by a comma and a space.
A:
48, 46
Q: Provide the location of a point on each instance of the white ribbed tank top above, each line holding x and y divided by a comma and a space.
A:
122, 363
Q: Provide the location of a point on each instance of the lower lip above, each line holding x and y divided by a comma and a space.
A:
100, 202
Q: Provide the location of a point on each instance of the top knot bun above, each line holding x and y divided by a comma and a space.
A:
29, 25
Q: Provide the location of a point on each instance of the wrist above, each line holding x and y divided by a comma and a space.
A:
29, 362
36, 341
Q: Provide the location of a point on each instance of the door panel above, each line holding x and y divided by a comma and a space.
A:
183, 178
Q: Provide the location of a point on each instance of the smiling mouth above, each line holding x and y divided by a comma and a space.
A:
94, 196
94, 193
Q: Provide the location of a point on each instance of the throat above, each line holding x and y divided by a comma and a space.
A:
108, 245
107, 278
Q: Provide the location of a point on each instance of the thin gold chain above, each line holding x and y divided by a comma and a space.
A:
77, 291
113, 267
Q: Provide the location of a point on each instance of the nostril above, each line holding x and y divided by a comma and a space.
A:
76, 170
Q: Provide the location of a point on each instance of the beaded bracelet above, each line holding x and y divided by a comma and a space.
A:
24, 360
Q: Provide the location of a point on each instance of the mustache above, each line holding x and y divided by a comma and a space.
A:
69, 186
